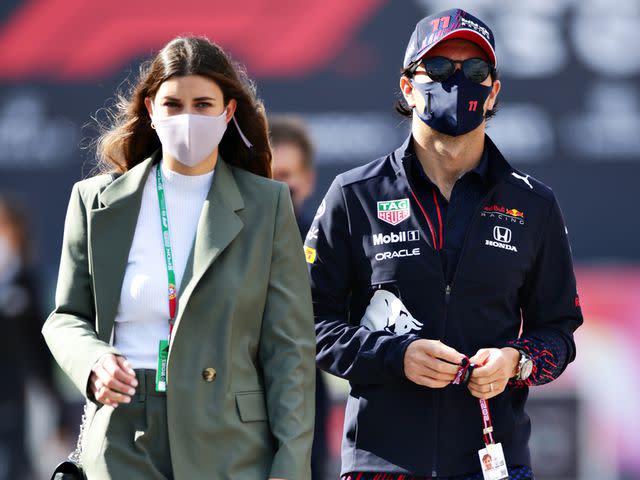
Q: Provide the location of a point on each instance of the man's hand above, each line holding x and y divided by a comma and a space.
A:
431, 363
495, 367
112, 380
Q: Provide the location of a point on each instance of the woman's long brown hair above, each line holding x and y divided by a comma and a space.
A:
129, 138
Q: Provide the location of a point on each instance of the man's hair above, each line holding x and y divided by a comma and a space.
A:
291, 129
406, 111
486, 455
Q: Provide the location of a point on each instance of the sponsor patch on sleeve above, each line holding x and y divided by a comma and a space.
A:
310, 254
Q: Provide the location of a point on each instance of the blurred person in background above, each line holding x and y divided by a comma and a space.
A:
183, 309
24, 353
442, 278
293, 162
293, 165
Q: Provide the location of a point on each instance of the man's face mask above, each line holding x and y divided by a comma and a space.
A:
454, 106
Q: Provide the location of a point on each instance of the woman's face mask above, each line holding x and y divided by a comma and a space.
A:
189, 114
190, 138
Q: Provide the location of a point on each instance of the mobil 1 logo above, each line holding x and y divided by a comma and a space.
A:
393, 237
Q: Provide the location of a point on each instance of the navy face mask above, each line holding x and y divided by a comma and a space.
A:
453, 107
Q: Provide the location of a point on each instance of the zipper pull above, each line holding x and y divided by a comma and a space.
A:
447, 293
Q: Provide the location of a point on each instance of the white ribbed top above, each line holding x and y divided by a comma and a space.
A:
143, 313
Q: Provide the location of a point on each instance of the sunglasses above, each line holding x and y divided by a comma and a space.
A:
440, 68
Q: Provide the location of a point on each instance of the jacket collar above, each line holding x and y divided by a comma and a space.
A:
498, 169
129, 185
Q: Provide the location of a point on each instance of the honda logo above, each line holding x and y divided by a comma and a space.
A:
502, 234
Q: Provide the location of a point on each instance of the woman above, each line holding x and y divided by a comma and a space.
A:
23, 348
183, 307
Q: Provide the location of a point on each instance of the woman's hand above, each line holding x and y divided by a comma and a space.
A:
495, 367
112, 380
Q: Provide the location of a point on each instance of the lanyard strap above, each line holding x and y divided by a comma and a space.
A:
462, 378
487, 430
168, 256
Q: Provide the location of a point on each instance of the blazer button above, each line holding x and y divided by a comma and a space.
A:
209, 374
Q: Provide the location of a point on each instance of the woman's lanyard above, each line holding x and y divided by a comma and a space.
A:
163, 349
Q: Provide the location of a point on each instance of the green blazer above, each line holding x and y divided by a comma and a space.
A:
241, 370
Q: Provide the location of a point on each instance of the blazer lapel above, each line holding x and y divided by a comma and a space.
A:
217, 227
111, 228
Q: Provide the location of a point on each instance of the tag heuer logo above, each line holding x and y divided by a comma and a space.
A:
394, 211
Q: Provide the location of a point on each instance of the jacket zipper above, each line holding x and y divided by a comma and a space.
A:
436, 401
436, 393
447, 298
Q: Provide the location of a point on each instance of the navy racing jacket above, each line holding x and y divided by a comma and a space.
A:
378, 285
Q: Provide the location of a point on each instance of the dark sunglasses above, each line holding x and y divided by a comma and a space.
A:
441, 68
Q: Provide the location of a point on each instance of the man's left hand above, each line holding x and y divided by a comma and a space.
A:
495, 367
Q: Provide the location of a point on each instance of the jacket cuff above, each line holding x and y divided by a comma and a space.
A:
395, 355
290, 465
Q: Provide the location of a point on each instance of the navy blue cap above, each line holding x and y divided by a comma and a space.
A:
453, 23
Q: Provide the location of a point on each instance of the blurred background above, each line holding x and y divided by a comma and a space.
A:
569, 115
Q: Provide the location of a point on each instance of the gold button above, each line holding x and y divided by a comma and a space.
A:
209, 374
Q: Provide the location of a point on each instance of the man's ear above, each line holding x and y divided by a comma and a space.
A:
407, 91
493, 96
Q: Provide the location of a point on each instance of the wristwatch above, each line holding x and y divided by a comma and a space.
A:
524, 368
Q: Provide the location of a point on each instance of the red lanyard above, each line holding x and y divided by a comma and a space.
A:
462, 377
433, 234
487, 430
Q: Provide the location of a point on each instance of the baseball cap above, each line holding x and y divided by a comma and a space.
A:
448, 24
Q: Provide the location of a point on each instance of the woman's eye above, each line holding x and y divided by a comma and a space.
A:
204, 105
170, 104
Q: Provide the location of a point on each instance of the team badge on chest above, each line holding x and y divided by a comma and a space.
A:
394, 211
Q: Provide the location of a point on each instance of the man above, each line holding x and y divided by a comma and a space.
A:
435, 259
293, 162
293, 165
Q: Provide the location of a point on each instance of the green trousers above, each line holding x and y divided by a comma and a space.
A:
130, 441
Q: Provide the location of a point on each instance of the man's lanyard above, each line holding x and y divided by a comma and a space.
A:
491, 457
487, 430
462, 377
168, 256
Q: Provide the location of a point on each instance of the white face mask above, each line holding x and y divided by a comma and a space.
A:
190, 138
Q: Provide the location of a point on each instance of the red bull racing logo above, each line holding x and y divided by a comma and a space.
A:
499, 212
